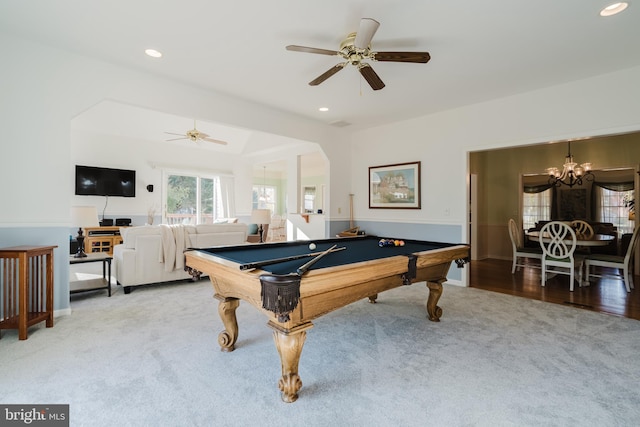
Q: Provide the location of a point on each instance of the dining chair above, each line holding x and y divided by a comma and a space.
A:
519, 250
620, 262
582, 228
583, 231
558, 243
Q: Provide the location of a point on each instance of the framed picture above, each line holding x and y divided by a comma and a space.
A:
395, 186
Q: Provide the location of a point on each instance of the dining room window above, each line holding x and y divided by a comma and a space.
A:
613, 207
536, 206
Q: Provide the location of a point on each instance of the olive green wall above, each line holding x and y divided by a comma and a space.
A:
498, 173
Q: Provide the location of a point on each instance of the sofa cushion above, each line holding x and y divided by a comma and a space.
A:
226, 221
212, 234
219, 228
190, 229
219, 234
208, 240
129, 234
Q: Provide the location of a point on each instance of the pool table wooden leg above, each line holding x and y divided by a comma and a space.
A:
289, 344
435, 290
227, 310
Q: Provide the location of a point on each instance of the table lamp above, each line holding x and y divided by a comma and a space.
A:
260, 217
83, 216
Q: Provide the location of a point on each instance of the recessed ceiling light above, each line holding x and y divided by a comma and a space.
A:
153, 53
323, 109
614, 8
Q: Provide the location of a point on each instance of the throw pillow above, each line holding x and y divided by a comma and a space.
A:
253, 229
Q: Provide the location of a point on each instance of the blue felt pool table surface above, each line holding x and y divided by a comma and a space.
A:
357, 249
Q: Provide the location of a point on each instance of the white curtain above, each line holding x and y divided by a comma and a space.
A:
226, 201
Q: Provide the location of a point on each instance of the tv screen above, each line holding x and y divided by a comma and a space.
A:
95, 181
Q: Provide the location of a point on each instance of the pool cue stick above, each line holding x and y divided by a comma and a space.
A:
259, 264
308, 265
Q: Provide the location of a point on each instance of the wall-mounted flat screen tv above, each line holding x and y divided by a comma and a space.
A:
95, 181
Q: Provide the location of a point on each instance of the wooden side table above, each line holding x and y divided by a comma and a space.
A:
26, 279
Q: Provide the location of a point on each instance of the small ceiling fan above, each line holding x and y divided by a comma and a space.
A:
195, 135
355, 49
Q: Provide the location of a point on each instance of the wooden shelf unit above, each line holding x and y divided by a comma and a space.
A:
101, 239
26, 287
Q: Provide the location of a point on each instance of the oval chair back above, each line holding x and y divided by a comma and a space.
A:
558, 243
582, 228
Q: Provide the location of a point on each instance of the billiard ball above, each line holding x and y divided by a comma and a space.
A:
312, 246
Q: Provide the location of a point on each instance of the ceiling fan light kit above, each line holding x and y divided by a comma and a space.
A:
355, 49
195, 135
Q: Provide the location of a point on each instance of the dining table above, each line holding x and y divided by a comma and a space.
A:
581, 240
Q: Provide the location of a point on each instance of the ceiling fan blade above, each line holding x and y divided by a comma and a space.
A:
216, 141
368, 28
295, 48
330, 72
171, 133
370, 76
175, 139
418, 57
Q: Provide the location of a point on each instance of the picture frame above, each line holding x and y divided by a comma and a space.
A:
395, 186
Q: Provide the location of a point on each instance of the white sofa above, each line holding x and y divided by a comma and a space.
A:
147, 254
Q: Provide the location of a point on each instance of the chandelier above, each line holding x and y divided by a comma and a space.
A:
571, 173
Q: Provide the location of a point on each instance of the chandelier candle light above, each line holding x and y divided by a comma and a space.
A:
571, 173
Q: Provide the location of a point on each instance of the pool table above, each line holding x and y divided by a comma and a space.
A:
355, 269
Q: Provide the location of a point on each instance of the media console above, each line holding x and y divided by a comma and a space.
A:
101, 239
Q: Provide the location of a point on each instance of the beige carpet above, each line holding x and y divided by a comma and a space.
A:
151, 358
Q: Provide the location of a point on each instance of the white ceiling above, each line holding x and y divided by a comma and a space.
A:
114, 118
480, 50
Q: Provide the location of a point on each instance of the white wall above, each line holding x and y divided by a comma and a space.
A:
149, 159
602, 105
597, 106
42, 89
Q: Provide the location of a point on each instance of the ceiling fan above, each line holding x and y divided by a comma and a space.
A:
195, 135
355, 49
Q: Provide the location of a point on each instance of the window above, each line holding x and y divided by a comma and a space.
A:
536, 207
264, 197
193, 199
309, 198
612, 209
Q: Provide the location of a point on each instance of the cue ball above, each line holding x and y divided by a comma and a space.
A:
312, 246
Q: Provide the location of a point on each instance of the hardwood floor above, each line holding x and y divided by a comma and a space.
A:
604, 294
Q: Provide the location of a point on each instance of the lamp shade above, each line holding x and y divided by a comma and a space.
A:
261, 216
84, 216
